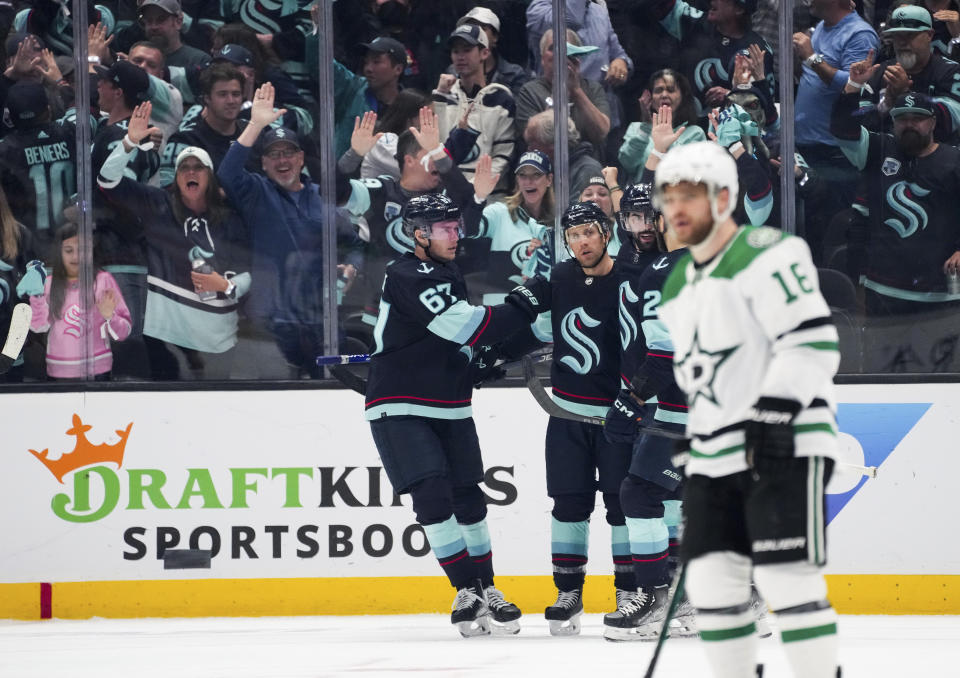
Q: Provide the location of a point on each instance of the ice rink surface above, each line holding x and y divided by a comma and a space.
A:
316, 647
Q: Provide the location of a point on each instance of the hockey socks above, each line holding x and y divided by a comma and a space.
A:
568, 542
649, 548
448, 545
623, 577
809, 634
477, 538
729, 638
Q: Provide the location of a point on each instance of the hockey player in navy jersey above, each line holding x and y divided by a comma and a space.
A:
650, 492
755, 352
418, 401
585, 378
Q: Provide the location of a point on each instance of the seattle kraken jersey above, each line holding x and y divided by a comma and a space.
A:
749, 323
38, 175
586, 340
425, 334
707, 56
509, 240
198, 133
141, 168
911, 205
647, 351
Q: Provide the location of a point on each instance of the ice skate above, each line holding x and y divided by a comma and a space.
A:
504, 614
638, 616
564, 615
759, 607
684, 622
470, 613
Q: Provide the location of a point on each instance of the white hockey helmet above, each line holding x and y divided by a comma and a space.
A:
703, 162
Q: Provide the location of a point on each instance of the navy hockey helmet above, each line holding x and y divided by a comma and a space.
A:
580, 213
637, 200
421, 212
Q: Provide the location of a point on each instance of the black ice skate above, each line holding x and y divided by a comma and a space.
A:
564, 615
504, 613
470, 613
639, 615
684, 622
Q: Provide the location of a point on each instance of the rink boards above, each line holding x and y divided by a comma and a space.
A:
286, 492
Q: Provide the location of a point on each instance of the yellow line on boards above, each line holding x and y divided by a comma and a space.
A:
850, 594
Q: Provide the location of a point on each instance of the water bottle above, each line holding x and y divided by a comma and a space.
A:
201, 266
953, 282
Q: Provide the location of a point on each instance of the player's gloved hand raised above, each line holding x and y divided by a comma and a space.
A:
532, 297
769, 433
624, 419
484, 368
31, 284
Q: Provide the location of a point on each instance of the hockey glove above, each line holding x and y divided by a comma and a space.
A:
623, 419
31, 284
769, 433
532, 297
484, 366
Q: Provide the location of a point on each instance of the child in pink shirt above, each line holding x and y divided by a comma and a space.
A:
58, 312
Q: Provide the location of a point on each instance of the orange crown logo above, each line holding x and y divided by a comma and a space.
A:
84, 453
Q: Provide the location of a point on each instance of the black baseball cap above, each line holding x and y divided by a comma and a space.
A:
913, 103
275, 135
394, 48
470, 34
133, 80
26, 101
235, 54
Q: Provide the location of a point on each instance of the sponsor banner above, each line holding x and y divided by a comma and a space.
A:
287, 484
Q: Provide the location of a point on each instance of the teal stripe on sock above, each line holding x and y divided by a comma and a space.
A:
619, 540
647, 535
445, 538
477, 537
569, 537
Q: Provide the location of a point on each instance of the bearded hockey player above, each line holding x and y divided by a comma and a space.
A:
755, 352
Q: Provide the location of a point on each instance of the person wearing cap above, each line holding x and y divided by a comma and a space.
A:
609, 64
284, 213
946, 25
496, 68
166, 98
915, 66
121, 88
467, 99
581, 161
590, 109
37, 164
383, 66
908, 201
197, 257
162, 21
709, 43
515, 227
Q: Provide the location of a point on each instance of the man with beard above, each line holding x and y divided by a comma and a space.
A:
162, 21
918, 68
911, 183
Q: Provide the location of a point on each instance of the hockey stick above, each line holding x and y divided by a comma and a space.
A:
343, 359
676, 595
352, 381
548, 405
16, 336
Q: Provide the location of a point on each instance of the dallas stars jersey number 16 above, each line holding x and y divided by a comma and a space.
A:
751, 323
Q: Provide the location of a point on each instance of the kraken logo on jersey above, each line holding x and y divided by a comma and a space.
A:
899, 199
708, 73
518, 253
628, 326
578, 341
698, 368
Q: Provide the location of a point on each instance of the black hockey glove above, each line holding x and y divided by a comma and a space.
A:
769, 433
484, 368
624, 419
532, 297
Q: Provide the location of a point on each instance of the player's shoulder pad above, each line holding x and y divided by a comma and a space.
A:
677, 278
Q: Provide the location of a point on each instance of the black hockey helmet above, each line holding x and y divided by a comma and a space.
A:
580, 213
637, 199
422, 211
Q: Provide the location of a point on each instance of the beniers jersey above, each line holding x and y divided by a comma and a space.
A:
751, 323
647, 350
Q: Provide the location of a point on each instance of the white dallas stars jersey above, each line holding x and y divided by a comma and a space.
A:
751, 323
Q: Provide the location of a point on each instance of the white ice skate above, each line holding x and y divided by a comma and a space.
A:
504, 614
684, 622
639, 614
470, 613
564, 615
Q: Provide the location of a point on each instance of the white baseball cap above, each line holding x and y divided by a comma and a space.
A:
194, 152
481, 15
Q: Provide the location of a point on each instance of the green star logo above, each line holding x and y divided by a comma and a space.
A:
699, 368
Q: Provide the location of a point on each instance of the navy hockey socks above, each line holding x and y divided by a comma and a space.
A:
623, 577
568, 542
450, 548
477, 537
649, 548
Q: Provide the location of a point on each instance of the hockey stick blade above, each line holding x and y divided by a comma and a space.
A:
349, 379
548, 405
676, 595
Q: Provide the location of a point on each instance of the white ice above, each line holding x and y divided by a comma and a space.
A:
315, 647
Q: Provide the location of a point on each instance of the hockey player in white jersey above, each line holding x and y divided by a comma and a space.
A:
755, 351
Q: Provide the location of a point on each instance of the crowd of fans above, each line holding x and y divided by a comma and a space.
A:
205, 152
